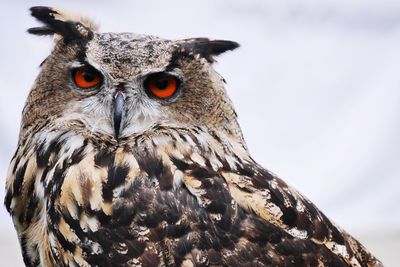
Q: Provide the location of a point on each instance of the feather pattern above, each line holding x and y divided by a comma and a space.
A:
118, 205
111, 175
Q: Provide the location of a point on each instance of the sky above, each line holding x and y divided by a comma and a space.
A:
316, 86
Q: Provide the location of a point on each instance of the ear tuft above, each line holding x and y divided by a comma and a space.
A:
208, 48
69, 26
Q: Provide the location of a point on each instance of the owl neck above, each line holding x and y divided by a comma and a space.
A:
229, 136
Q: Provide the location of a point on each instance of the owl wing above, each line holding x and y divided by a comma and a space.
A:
291, 230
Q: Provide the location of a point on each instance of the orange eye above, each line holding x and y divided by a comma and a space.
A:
162, 85
86, 77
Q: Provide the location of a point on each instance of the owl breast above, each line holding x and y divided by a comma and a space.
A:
169, 197
126, 204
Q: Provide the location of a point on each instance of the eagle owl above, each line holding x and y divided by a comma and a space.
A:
130, 154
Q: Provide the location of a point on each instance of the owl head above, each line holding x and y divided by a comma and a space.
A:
122, 84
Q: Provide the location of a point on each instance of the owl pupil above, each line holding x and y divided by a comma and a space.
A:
161, 84
89, 77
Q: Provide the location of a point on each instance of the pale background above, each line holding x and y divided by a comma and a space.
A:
316, 85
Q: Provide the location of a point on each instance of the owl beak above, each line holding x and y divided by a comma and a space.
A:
118, 110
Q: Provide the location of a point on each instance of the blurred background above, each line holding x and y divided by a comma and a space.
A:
316, 86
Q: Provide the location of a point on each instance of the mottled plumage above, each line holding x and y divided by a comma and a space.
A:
112, 176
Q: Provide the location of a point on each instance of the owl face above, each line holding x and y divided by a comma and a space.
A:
123, 84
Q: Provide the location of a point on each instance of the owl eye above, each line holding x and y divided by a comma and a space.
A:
86, 77
161, 85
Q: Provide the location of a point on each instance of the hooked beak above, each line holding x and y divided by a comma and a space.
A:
118, 110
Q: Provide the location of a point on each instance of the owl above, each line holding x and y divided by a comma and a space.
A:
130, 154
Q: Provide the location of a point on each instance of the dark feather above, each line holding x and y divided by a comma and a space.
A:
207, 48
67, 29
